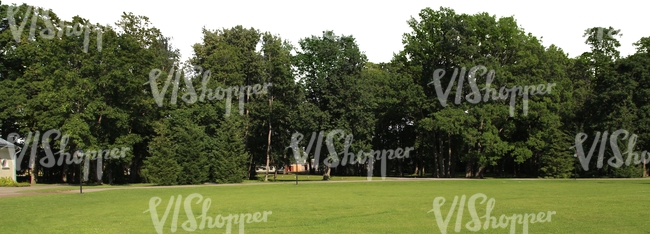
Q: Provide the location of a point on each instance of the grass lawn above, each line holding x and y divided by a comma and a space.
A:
583, 206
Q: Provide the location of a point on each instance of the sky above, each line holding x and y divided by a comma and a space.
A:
377, 26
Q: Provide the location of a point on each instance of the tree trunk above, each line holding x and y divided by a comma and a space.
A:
441, 159
370, 168
32, 174
134, 168
284, 172
110, 176
275, 174
436, 154
309, 166
399, 167
268, 148
64, 178
250, 165
450, 162
468, 169
645, 171
32, 180
326, 176
479, 174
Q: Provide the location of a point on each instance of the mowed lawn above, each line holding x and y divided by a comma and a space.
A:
582, 206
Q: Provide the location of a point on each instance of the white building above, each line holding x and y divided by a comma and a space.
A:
7, 159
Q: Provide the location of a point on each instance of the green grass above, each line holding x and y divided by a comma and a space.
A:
583, 206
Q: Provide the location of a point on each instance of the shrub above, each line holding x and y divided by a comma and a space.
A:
161, 170
9, 182
628, 172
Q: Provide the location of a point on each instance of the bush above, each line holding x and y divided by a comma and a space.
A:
628, 172
227, 153
161, 170
9, 182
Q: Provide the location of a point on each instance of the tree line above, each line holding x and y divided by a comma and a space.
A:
104, 98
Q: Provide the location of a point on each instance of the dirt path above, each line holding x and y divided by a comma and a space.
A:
24, 191
19, 191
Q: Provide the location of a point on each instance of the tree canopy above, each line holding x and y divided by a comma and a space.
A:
234, 105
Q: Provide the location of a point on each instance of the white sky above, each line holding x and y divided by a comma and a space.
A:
377, 26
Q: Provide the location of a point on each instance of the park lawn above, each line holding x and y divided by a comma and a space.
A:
279, 178
582, 206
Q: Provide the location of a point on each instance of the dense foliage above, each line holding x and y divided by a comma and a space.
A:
102, 98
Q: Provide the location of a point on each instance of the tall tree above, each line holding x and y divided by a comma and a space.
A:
330, 68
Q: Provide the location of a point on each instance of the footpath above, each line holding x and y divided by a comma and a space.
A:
65, 188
